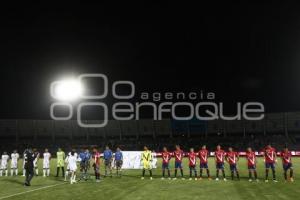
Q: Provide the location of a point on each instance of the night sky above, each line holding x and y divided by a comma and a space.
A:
241, 52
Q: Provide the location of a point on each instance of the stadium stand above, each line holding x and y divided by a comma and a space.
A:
44, 129
284, 128
129, 129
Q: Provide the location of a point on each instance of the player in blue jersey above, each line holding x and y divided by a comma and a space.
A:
118, 161
107, 156
82, 163
85, 157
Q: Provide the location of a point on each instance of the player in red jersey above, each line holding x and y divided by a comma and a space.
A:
251, 160
232, 158
178, 154
166, 157
270, 160
203, 156
219, 158
192, 163
96, 163
286, 157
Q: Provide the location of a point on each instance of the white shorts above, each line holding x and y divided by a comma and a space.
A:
3, 165
14, 164
73, 168
46, 164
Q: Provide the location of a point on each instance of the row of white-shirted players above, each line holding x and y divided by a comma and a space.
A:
15, 156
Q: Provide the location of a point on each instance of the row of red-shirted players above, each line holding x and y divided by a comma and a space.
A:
232, 157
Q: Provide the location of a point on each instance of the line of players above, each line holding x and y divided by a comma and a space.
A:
221, 156
231, 157
15, 156
85, 158
70, 160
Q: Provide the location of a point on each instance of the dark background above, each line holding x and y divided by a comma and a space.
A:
241, 52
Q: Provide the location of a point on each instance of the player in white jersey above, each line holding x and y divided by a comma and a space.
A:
68, 167
4, 163
36, 161
14, 163
72, 160
46, 163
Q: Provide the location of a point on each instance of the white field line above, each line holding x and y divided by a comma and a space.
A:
28, 191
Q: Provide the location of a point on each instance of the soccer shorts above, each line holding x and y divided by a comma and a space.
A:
287, 166
178, 165
233, 167
14, 164
251, 167
192, 166
203, 166
270, 165
220, 165
82, 165
29, 170
3, 165
73, 167
146, 165
107, 163
46, 164
119, 163
165, 165
60, 163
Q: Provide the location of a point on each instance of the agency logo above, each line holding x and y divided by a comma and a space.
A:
123, 109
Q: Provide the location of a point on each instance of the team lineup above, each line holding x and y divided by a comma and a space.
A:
114, 160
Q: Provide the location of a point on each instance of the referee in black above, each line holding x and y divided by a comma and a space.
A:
29, 157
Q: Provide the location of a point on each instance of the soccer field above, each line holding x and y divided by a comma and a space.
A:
131, 187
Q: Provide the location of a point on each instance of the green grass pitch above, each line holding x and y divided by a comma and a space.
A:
131, 187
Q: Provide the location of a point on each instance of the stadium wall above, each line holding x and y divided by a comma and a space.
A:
283, 123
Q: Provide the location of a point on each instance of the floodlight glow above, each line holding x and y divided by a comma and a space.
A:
67, 90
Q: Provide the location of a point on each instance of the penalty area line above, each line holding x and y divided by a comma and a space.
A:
28, 191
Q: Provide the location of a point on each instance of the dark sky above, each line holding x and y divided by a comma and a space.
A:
241, 52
